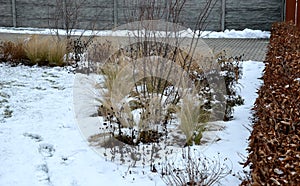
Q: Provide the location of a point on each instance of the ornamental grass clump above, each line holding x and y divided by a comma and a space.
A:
192, 119
36, 50
57, 52
45, 51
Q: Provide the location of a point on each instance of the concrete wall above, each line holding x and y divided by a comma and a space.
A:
6, 18
258, 14
194, 7
104, 14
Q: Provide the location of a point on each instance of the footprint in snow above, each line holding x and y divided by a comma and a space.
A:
46, 150
35, 137
43, 173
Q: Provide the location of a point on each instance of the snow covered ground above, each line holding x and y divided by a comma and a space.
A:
246, 33
41, 143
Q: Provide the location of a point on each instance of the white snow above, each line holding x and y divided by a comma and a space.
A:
42, 145
246, 33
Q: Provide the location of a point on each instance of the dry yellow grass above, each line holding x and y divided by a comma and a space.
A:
45, 50
57, 51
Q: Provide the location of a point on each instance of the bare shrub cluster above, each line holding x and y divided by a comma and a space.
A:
140, 113
231, 70
194, 169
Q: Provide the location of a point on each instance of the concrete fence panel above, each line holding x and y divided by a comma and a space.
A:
107, 14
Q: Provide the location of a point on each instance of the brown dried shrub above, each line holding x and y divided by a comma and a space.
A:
12, 52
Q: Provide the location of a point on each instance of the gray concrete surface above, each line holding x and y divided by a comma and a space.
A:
251, 49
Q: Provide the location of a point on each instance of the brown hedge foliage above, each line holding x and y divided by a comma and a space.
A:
274, 144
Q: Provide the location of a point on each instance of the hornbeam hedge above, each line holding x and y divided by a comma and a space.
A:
274, 144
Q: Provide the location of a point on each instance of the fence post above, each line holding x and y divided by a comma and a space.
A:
167, 4
283, 10
296, 13
115, 13
14, 16
223, 15
64, 16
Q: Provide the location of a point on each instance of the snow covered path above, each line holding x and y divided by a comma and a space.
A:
42, 145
